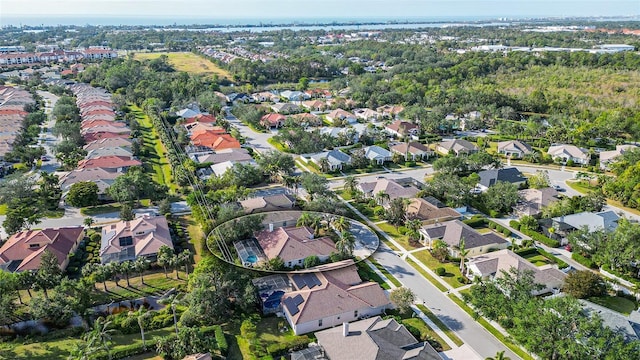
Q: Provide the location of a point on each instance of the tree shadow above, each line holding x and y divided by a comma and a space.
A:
452, 324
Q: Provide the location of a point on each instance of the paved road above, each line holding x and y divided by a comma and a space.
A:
257, 141
455, 318
47, 139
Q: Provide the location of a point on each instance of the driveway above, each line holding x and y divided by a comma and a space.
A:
257, 141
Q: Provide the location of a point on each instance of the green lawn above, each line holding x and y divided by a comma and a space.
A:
456, 340
538, 259
278, 145
615, 303
268, 331
60, 348
452, 269
426, 332
427, 276
156, 154
100, 209
367, 274
482, 321
344, 194
403, 240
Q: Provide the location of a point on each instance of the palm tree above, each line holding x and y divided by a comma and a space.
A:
340, 224
185, 259
88, 270
164, 258
350, 184
311, 220
381, 197
79, 352
141, 315
174, 262
126, 268
413, 229
88, 221
463, 253
140, 266
114, 268
346, 244
324, 164
100, 337
499, 356
102, 273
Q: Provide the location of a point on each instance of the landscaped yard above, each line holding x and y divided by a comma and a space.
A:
616, 303
156, 154
537, 259
426, 332
403, 240
196, 238
100, 209
426, 275
367, 274
60, 348
188, 62
452, 270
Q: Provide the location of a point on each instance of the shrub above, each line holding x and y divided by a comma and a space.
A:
476, 222
514, 224
221, 340
492, 225
527, 251
441, 271
584, 261
295, 344
461, 280
402, 230
505, 231
561, 264
541, 238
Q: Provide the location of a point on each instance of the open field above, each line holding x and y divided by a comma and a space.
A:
187, 62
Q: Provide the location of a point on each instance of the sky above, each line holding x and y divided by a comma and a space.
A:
10, 10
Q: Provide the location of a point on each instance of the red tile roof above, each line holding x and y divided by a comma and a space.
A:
272, 119
89, 137
203, 118
108, 162
215, 141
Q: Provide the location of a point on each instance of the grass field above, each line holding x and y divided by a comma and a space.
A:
538, 259
155, 150
452, 269
615, 303
188, 62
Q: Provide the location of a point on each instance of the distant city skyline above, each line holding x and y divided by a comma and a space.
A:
218, 11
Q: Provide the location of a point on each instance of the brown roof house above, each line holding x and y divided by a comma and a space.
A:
452, 232
563, 153
374, 339
514, 149
394, 188
492, 265
294, 244
23, 251
272, 120
457, 146
533, 200
430, 210
322, 300
268, 203
128, 240
412, 150
402, 128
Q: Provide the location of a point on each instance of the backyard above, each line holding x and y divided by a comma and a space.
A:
188, 62
537, 259
616, 303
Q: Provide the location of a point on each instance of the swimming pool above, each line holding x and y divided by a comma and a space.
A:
252, 259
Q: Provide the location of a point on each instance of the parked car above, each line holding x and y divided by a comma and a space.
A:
44, 158
558, 188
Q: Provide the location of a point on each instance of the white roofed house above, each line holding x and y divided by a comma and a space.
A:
377, 154
394, 188
294, 95
128, 240
412, 150
367, 114
402, 128
457, 146
286, 108
607, 157
452, 232
514, 149
335, 159
563, 153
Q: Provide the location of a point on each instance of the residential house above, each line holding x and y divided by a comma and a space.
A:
430, 210
201, 118
236, 155
129, 240
514, 149
322, 300
336, 159
265, 96
401, 129
626, 325
350, 133
286, 108
195, 128
533, 200
112, 163
411, 151
109, 151
101, 177
318, 93
373, 339
315, 105
563, 225
215, 141
220, 169
395, 188
99, 53
367, 114
294, 244
341, 116
563, 153
489, 178
452, 232
23, 251
272, 120
607, 157
294, 95
268, 203
457, 147
377, 154
238, 98
493, 265
93, 136
390, 111
307, 119
188, 113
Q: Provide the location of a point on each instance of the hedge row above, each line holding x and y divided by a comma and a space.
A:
526, 251
584, 261
561, 264
536, 236
296, 343
476, 221
494, 225
514, 224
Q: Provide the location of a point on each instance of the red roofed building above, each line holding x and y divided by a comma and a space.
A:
202, 118
23, 251
93, 136
272, 120
95, 123
117, 163
13, 112
215, 141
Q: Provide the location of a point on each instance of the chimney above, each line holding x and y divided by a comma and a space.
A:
271, 227
345, 329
